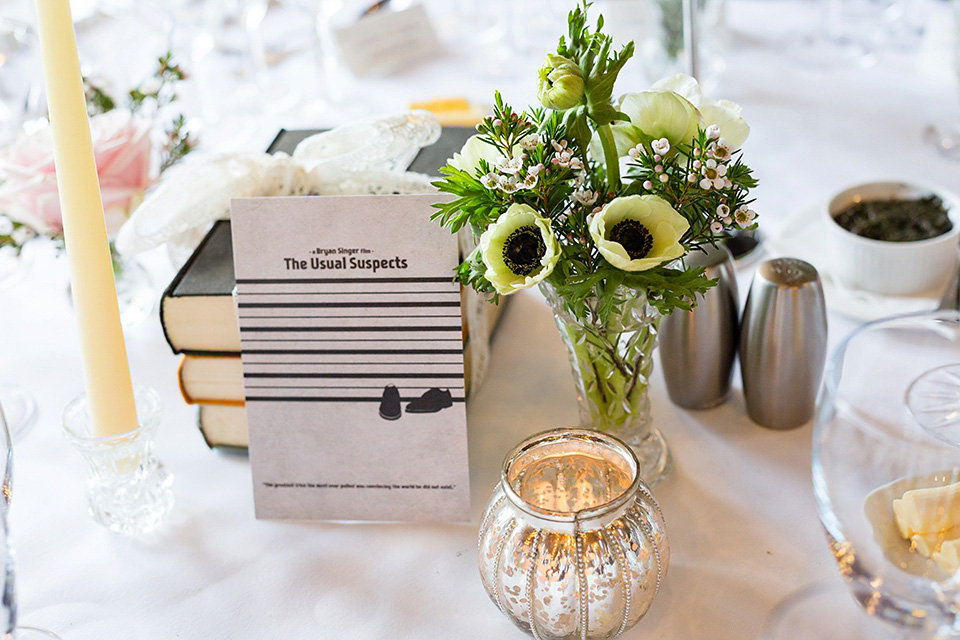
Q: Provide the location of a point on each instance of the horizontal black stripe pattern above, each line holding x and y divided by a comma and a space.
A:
334, 386
365, 352
327, 322
346, 329
396, 280
343, 305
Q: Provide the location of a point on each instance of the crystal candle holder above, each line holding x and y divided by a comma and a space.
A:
572, 543
128, 490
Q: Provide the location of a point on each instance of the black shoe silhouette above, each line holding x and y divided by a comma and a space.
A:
390, 403
431, 401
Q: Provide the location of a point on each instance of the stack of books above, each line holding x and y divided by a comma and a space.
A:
199, 319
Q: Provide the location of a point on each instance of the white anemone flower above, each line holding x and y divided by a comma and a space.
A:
661, 115
636, 233
474, 150
722, 113
519, 249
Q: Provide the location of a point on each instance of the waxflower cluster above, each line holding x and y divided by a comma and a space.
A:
589, 193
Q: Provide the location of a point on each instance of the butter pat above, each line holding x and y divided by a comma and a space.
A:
927, 544
925, 511
948, 557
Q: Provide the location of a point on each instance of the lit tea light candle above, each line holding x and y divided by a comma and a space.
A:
572, 543
105, 369
571, 482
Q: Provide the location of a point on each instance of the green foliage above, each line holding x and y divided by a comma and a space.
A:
475, 204
547, 159
14, 234
591, 51
150, 100
98, 100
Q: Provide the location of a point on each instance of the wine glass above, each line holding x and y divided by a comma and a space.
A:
944, 135
20, 407
845, 35
19, 103
20, 91
888, 422
8, 603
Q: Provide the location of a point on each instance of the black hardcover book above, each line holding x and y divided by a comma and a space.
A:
196, 310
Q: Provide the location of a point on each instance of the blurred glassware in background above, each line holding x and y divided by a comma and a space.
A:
656, 26
535, 26
20, 103
904, 24
18, 403
11, 630
486, 36
20, 89
234, 83
844, 33
326, 89
944, 135
19, 407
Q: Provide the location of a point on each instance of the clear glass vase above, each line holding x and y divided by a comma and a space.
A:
612, 362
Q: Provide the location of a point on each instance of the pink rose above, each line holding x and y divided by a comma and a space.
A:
28, 181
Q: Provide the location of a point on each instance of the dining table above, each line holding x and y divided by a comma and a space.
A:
739, 505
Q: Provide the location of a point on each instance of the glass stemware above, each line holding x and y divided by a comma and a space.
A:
17, 401
8, 603
844, 35
20, 91
944, 135
888, 422
21, 408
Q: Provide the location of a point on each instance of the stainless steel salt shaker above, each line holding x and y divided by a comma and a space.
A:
783, 343
698, 347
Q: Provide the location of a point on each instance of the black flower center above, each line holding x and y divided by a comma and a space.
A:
523, 249
633, 237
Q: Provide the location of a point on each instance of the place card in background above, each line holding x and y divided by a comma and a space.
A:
387, 41
341, 299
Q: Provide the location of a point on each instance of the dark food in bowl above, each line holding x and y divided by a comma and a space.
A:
896, 220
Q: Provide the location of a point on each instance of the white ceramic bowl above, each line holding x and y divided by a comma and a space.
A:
892, 268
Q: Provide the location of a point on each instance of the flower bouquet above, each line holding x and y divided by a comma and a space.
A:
134, 141
598, 202
132, 145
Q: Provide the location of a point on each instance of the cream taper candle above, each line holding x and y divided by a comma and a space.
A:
105, 369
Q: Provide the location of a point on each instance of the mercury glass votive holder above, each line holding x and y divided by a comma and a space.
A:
128, 490
572, 542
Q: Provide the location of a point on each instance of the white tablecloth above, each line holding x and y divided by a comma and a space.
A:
739, 507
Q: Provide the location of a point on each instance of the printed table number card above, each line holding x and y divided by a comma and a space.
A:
352, 355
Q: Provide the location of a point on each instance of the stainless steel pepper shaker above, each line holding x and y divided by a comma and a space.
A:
698, 347
783, 343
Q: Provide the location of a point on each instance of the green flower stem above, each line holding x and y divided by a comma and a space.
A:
614, 370
610, 157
